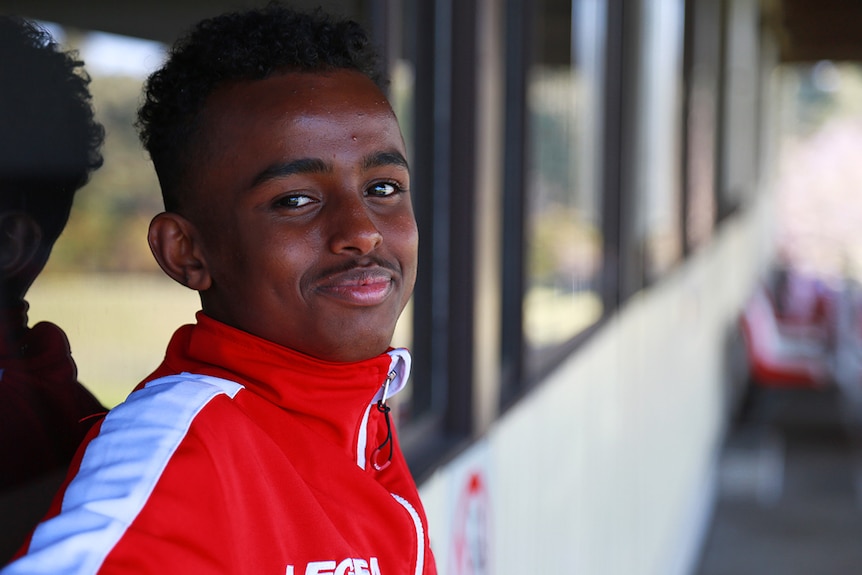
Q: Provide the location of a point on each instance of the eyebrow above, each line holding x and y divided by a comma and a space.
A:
381, 159
318, 166
300, 166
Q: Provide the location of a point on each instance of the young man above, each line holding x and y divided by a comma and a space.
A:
49, 145
263, 442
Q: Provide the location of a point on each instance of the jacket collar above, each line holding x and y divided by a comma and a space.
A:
332, 397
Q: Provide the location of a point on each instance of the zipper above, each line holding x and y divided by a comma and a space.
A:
383, 408
362, 439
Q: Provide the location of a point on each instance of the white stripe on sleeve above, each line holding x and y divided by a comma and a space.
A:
118, 472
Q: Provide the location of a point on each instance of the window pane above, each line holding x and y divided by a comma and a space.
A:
563, 197
740, 145
657, 164
703, 41
101, 284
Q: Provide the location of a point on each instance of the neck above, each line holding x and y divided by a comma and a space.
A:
13, 322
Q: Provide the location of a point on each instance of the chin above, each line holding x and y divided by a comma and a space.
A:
364, 350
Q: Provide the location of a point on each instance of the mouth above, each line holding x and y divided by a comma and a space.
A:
359, 286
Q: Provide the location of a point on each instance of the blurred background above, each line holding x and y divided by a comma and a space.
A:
636, 330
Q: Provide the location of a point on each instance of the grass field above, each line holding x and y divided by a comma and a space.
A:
118, 324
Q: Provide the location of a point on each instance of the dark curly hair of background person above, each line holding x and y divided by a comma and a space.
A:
49, 139
236, 46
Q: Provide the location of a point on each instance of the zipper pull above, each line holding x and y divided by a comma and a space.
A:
384, 409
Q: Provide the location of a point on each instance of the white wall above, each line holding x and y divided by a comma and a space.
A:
607, 467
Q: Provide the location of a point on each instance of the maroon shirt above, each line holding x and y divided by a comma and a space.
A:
44, 411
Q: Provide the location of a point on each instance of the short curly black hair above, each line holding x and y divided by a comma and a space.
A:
49, 140
238, 46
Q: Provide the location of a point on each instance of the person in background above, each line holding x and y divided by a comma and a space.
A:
263, 442
49, 145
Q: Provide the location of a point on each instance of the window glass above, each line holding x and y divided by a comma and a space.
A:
703, 44
658, 128
564, 236
741, 73
101, 284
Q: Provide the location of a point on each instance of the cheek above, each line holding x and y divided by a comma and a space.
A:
242, 258
408, 249
295, 259
406, 236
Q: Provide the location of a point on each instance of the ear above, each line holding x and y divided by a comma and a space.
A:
20, 237
176, 246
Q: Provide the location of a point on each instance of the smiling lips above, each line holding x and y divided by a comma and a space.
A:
359, 286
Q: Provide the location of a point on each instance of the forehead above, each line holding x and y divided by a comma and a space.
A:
336, 117
241, 113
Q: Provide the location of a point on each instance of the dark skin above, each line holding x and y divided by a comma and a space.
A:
299, 227
22, 257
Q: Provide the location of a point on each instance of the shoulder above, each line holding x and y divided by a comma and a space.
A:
118, 473
142, 434
156, 417
164, 407
182, 394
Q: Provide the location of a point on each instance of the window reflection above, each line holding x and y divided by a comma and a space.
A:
564, 225
658, 109
101, 283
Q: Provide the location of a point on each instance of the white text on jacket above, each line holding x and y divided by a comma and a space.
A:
345, 567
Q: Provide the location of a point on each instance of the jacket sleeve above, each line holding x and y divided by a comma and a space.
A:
114, 517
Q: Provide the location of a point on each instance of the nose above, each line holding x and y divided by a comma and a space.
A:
353, 229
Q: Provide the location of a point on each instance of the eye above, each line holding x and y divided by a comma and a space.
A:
383, 189
293, 201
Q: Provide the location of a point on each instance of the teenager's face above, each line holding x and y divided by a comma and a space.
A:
301, 200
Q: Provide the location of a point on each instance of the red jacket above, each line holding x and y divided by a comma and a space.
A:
241, 456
